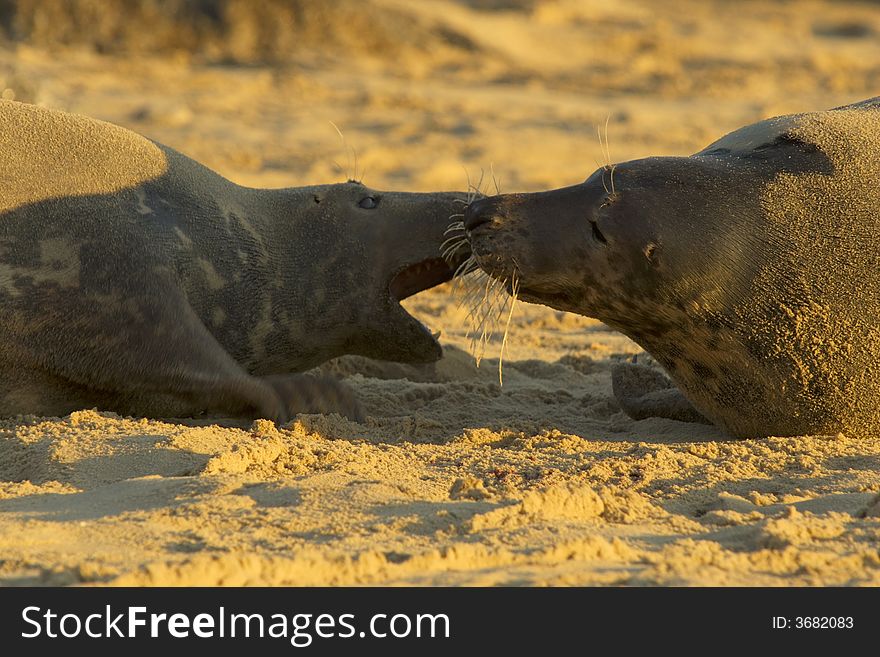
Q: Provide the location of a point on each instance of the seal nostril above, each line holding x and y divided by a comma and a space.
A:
472, 222
477, 214
598, 233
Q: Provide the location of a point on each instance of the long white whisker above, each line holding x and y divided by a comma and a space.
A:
488, 307
494, 179
487, 330
607, 151
463, 266
452, 250
514, 292
455, 239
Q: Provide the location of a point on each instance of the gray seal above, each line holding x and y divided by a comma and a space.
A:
135, 280
750, 271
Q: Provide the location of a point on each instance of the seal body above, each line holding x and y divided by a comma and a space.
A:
136, 280
750, 271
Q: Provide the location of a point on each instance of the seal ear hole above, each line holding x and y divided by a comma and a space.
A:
788, 139
597, 234
317, 199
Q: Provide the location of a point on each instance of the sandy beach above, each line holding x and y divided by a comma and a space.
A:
455, 477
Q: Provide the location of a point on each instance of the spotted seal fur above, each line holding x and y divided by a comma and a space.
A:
750, 271
136, 280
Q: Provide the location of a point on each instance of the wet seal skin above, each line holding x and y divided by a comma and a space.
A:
750, 271
135, 280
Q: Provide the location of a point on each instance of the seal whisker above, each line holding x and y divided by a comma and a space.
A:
470, 269
470, 297
514, 292
602, 168
601, 146
452, 248
451, 243
348, 151
455, 239
608, 163
473, 304
605, 147
475, 298
478, 292
494, 179
465, 267
607, 150
455, 248
490, 318
475, 191
454, 226
493, 295
473, 194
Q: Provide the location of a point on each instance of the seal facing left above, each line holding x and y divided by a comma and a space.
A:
748, 270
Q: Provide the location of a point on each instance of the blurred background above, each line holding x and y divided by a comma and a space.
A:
431, 91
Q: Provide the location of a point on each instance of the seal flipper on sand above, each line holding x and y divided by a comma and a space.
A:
644, 392
301, 393
194, 376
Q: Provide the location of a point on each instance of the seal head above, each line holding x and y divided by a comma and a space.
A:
337, 261
748, 270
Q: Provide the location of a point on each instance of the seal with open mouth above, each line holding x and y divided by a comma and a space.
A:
750, 271
134, 279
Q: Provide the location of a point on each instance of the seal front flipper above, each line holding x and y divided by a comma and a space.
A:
644, 392
301, 393
144, 354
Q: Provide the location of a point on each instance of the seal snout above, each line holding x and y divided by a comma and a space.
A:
481, 211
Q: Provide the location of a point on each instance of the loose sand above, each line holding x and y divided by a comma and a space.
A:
453, 478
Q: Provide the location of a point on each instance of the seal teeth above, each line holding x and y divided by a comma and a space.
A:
419, 276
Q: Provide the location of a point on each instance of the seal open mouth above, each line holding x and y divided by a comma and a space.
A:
413, 341
419, 277
411, 280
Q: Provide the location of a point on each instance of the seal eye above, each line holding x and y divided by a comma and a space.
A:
369, 202
597, 234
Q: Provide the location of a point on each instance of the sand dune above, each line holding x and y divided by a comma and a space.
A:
453, 478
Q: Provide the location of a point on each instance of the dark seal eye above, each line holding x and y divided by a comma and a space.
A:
369, 202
